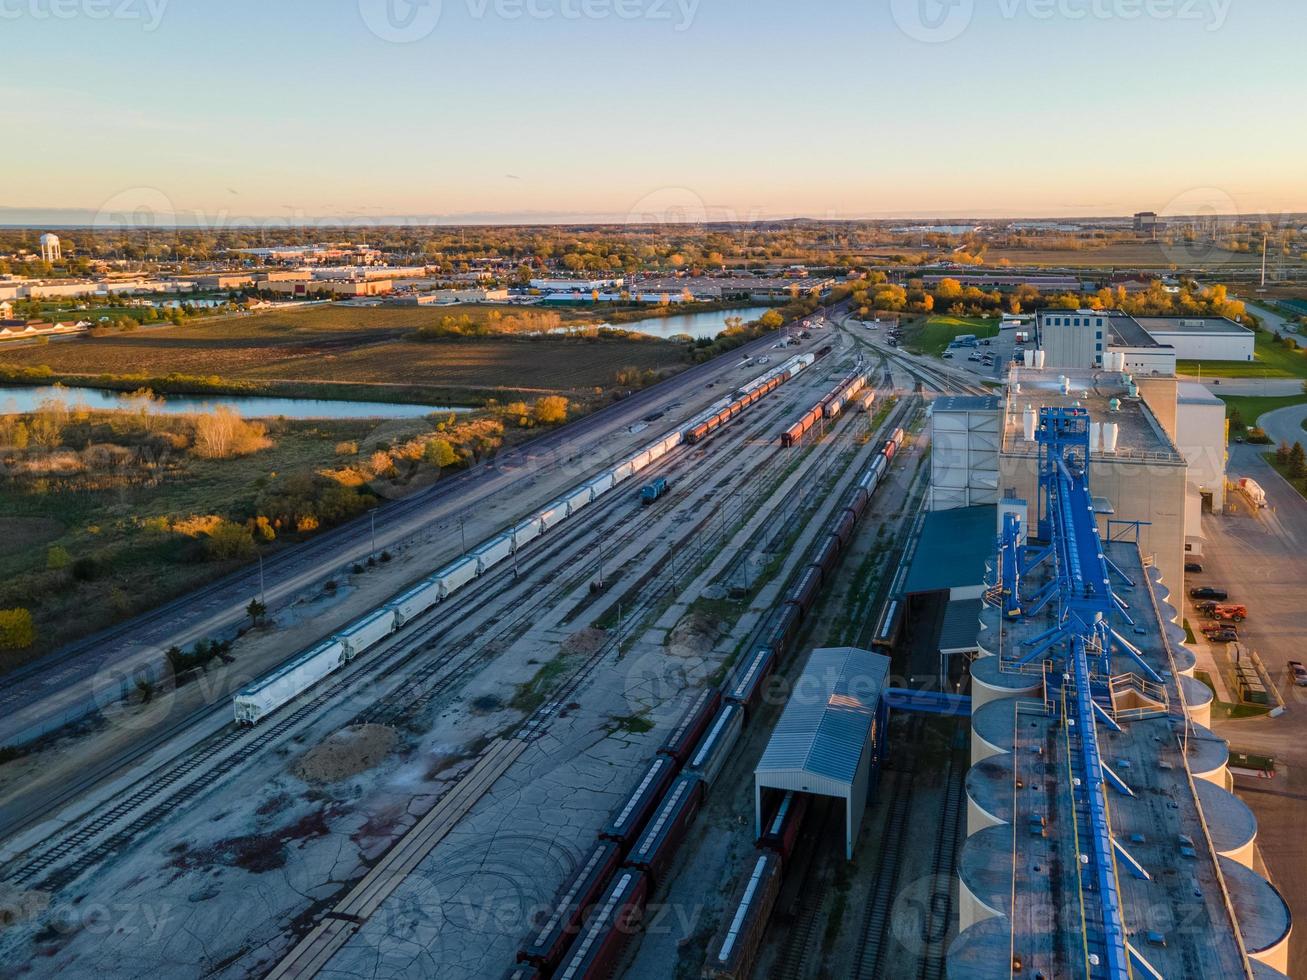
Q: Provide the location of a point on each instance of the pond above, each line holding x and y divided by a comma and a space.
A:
27, 399
693, 324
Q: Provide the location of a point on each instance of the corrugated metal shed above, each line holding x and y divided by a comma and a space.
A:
827, 735
961, 626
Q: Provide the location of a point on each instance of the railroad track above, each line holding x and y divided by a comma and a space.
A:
245, 581
218, 757
316, 949
944, 864
874, 935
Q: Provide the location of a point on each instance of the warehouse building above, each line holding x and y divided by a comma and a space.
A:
830, 739
1211, 338
1151, 345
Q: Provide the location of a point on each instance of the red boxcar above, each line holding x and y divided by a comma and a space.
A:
656, 849
782, 830
680, 743
629, 819
548, 943
617, 917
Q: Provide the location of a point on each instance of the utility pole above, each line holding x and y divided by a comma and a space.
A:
1265, 244
263, 595
373, 514
462, 536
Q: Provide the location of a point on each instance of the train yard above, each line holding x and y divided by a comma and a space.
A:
565, 718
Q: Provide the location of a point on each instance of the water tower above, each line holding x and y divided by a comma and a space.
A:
50, 251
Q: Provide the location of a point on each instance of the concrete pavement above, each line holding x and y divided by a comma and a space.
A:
1285, 424
1261, 557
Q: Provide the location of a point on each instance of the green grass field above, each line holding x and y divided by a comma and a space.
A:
1274, 360
933, 335
1253, 407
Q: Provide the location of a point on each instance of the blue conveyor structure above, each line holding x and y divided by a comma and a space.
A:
1079, 647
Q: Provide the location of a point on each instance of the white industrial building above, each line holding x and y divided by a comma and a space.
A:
965, 440
1212, 338
828, 737
1083, 339
1202, 435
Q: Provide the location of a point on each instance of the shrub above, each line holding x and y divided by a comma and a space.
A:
57, 557
229, 542
223, 434
17, 631
551, 410
439, 453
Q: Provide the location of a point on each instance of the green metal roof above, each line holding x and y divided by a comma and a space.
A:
953, 549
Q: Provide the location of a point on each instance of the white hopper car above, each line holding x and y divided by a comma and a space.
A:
266, 695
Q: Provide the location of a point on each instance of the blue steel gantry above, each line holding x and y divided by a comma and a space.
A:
1078, 650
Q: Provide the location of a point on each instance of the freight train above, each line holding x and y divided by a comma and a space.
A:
746, 396
270, 692
830, 406
648, 828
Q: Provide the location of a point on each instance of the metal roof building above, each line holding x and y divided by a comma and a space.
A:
952, 552
828, 735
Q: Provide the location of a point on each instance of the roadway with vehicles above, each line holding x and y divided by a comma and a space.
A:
1257, 555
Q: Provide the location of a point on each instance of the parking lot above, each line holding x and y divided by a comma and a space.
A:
1002, 347
1259, 558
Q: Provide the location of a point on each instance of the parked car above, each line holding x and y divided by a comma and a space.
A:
1222, 635
1299, 672
1206, 592
1193, 567
947, 355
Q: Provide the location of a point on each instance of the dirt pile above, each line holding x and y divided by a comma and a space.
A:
694, 637
346, 753
584, 642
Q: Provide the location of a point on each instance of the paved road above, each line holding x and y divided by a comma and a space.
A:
75, 681
1267, 387
1261, 557
1285, 424
1275, 322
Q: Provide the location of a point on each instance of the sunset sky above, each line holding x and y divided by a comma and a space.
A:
559, 110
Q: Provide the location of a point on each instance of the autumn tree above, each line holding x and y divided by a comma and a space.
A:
439, 453
17, 631
551, 410
222, 434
